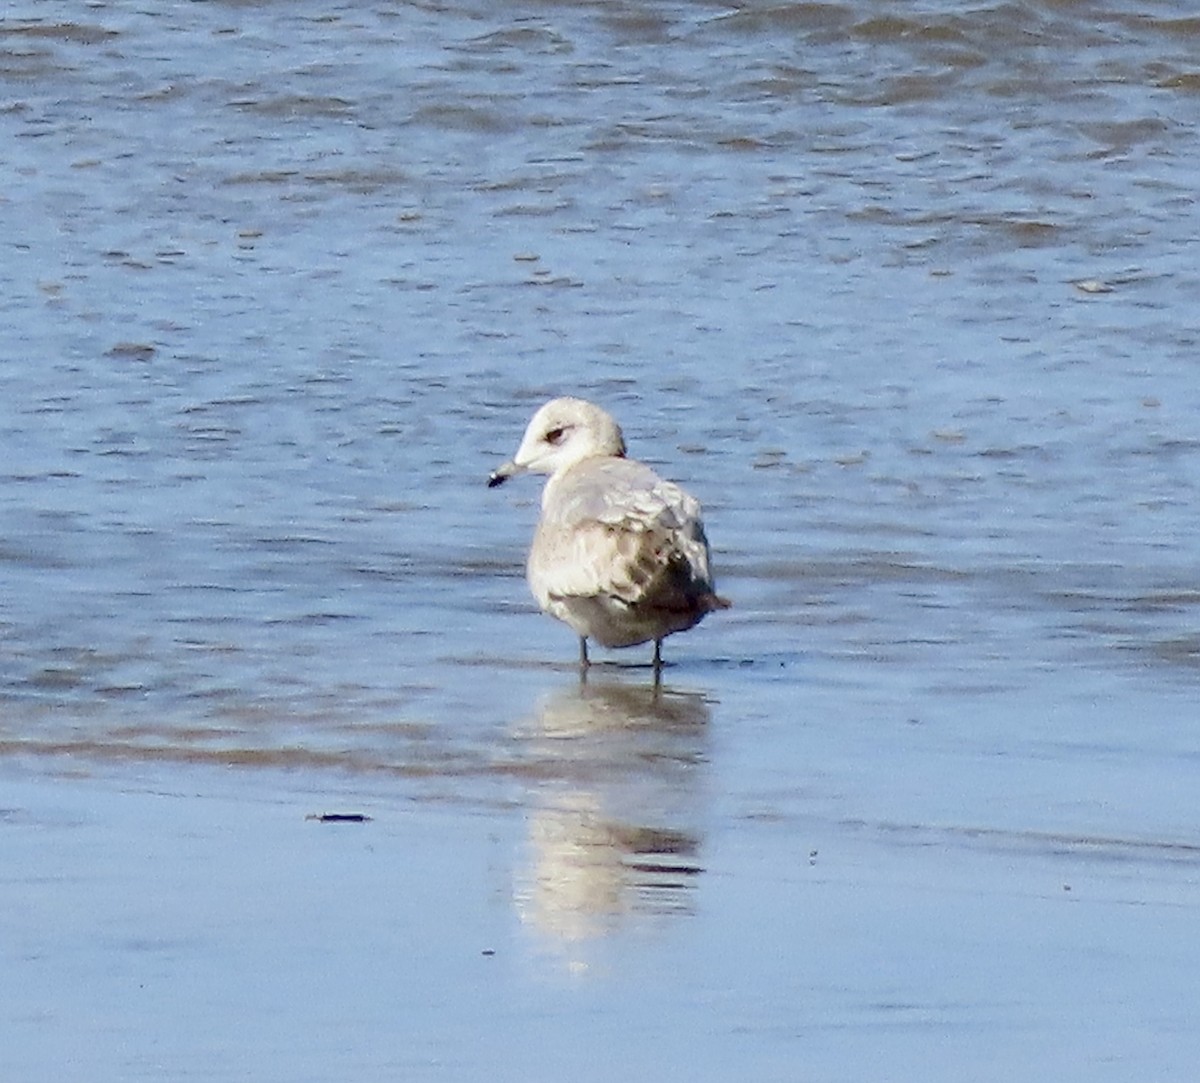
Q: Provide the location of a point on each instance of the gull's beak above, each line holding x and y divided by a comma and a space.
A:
502, 473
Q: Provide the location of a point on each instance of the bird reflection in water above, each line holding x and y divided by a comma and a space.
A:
618, 800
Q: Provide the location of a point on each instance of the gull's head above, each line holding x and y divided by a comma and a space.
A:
561, 434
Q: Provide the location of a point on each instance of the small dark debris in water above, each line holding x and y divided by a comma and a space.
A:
812, 857
133, 351
339, 817
488, 952
1066, 887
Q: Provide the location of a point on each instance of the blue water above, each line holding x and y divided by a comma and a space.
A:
905, 297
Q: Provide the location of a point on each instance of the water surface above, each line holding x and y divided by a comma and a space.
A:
904, 295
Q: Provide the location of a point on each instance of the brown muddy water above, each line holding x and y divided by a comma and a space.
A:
906, 294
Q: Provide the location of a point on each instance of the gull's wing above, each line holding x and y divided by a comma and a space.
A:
612, 528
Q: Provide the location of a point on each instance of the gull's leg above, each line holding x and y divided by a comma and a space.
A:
583, 658
658, 662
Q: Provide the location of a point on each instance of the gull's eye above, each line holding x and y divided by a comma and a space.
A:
556, 435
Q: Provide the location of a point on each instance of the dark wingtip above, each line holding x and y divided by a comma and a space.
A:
496, 479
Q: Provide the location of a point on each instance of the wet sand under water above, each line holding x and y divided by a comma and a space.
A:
624, 887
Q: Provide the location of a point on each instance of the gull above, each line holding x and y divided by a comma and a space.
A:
619, 554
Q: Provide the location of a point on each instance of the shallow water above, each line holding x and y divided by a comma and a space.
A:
907, 300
